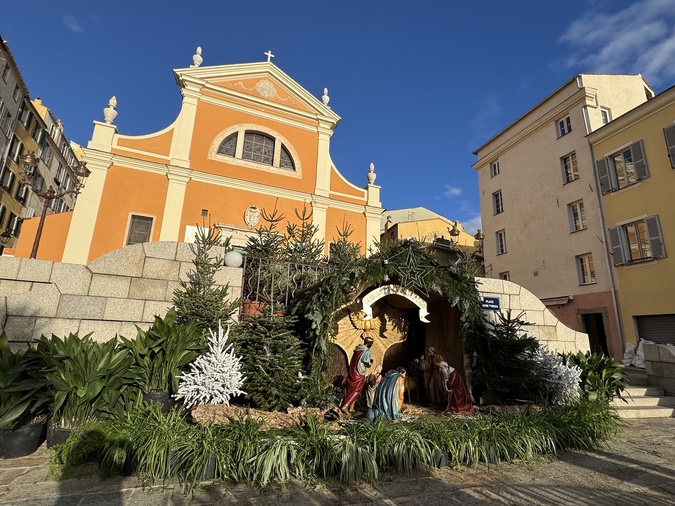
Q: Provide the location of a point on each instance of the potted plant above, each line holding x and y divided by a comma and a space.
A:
87, 381
23, 399
161, 352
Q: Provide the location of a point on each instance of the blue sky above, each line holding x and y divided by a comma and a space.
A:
419, 86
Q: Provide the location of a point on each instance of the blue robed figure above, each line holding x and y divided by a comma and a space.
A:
388, 396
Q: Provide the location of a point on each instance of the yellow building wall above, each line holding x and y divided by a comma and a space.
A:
645, 288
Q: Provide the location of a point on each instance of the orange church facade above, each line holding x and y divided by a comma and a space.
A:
247, 138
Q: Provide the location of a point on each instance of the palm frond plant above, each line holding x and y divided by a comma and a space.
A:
163, 351
23, 392
601, 376
80, 371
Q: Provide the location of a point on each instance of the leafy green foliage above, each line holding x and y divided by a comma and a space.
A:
601, 378
23, 392
87, 380
271, 361
81, 446
199, 300
166, 445
163, 351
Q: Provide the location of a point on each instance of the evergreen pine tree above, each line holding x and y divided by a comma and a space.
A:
198, 300
271, 358
215, 377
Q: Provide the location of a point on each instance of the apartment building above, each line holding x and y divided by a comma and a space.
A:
12, 100
540, 208
635, 165
28, 126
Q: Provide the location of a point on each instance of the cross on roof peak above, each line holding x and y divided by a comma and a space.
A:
269, 55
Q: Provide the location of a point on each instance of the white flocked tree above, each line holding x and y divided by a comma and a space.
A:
215, 377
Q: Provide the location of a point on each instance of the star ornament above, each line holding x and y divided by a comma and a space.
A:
412, 274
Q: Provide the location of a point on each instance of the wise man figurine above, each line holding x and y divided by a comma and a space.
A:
356, 377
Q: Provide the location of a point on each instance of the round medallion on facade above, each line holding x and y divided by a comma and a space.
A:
265, 89
252, 216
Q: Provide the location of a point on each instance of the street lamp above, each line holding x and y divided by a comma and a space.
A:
4, 241
30, 162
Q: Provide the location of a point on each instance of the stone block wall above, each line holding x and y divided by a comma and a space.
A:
544, 324
109, 296
660, 363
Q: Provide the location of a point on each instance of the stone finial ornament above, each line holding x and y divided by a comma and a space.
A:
325, 98
371, 174
110, 112
197, 57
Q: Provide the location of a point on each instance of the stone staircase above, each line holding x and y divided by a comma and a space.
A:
644, 401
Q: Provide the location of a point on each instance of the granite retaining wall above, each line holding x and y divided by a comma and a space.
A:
108, 296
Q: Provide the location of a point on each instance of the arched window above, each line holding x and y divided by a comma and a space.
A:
258, 148
285, 159
228, 146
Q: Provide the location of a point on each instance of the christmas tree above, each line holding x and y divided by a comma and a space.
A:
215, 377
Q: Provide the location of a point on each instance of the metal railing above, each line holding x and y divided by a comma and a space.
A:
270, 284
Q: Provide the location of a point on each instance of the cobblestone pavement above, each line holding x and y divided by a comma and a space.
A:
636, 468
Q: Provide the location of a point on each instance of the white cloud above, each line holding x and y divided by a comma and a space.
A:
452, 191
639, 39
72, 23
472, 224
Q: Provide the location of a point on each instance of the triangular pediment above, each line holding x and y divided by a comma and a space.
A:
261, 82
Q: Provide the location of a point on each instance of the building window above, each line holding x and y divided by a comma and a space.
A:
497, 202
16, 93
637, 241
6, 122
285, 160
47, 154
21, 193
506, 276
7, 179
5, 72
669, 132
140, 228
570, 171
228, 146
500, 237
564, 126
16, 150
585, 269
14, 224
606, 115
577, 216
257, 147
25, 119
622, 169
494, 169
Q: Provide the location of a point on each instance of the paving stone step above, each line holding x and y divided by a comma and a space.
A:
646, 412
640, 391
646, 400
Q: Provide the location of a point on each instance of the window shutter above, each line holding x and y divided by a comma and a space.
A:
615, 245
654, 237
603, 175
639, 160
670, 143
